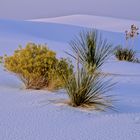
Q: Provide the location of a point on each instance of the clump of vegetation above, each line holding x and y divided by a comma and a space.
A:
91, 49
89, 91
87, 87
1, 59
63, 67
38, 67
127, 53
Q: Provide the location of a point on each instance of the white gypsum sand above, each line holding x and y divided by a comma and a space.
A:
33, 115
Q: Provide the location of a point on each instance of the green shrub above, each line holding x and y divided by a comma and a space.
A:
91, 49
62, 68
89, 91
125, 54
37, 66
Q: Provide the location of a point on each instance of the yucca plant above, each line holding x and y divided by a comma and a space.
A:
87, 87
125, 54
88, 90
93, 51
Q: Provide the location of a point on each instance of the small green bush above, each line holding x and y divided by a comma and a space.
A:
125, 54
37, 66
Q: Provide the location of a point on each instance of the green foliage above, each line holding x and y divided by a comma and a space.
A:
87, 86
125, 54
89, 90
36, 66
1, 59
92, 50
62, 68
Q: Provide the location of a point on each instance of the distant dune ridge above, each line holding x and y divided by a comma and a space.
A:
99, 22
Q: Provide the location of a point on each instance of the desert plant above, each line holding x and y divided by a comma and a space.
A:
1, 59
125, 54
36, 66
87, 87
88, 90
131, 35
64, 67
92, 50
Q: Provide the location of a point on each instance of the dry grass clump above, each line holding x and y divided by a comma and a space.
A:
125, 54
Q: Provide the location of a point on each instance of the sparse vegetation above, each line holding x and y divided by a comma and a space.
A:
92, 50
38, 67
87, 87
89, 91
125, 54
1, 59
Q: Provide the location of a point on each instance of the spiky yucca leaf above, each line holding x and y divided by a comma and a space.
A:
89, 90
93, 51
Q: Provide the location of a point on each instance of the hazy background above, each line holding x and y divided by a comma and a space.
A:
29, 9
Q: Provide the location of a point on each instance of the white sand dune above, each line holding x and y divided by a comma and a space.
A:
98, 22
32, 115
